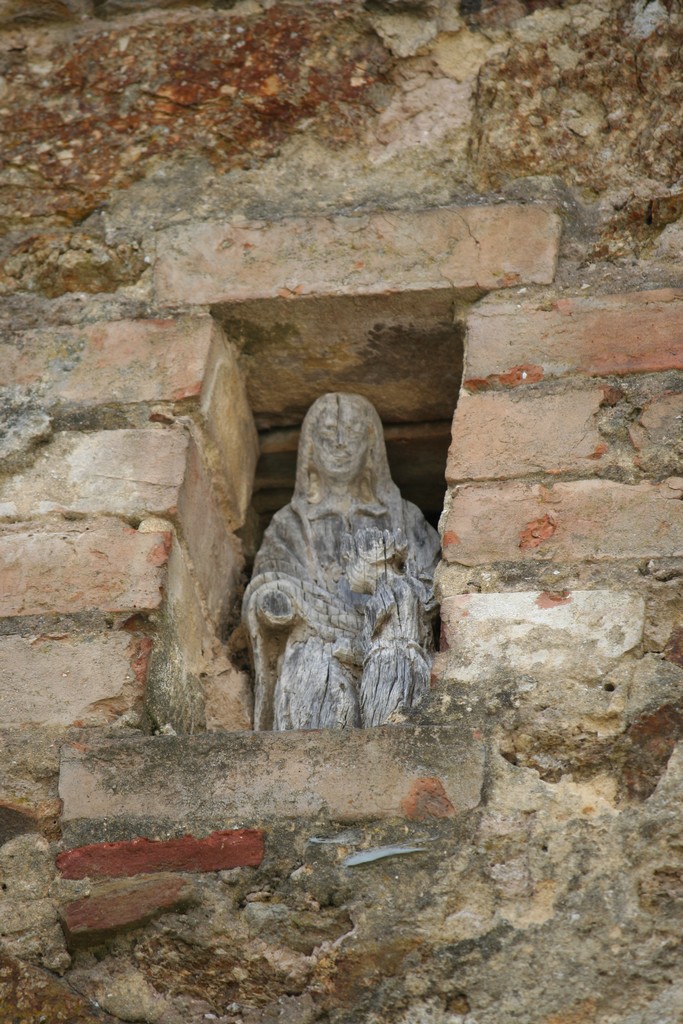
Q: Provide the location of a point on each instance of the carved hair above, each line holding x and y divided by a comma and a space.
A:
375, 483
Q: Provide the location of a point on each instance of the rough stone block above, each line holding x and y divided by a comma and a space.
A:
32, 994
230, 426
122, 905
512, 343
206, 528
566, 522
69, 679
477, 247
500, 435
578, 633
14, 13
252, 778
79, 566
216, 852
129, 472
123, 361
29, 769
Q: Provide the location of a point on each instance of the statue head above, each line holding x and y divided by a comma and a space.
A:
342, 447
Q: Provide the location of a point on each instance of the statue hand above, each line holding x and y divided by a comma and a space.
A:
276, 607
347, 652
380, 546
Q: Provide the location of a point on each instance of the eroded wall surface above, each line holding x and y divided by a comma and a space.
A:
211, 213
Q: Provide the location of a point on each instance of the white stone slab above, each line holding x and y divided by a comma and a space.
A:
580, 634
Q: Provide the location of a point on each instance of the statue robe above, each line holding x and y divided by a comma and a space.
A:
306, 675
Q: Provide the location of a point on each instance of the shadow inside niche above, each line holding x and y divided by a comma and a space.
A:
403, 352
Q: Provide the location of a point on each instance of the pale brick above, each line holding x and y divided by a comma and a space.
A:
123, 361
206, 528
230, 427
68, 680
577, 634
662, 419
566, 522
514, 343
102, 564
500, 435
125, 472
657, 436
355, 775
466, 247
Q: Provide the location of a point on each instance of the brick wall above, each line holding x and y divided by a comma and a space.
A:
279, 200
563, 525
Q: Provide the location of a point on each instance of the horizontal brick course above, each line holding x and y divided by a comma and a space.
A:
216, 852
69, 680
465, 247
500, 435
125, 472
512, 343
123, 361
565, 522
76, 566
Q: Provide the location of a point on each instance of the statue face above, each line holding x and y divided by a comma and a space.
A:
341, 440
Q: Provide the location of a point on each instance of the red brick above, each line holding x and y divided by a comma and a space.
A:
123, 361
427, 799
120, 906
564, 522
501, 435
638, 332
581, 634
103, 564
216, 852
457, 247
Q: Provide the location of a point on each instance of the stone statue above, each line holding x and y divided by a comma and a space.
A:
340, 606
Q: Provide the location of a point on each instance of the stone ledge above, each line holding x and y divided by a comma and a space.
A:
137, 786
470, 248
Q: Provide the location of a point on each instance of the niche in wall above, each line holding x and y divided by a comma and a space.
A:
402, 351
